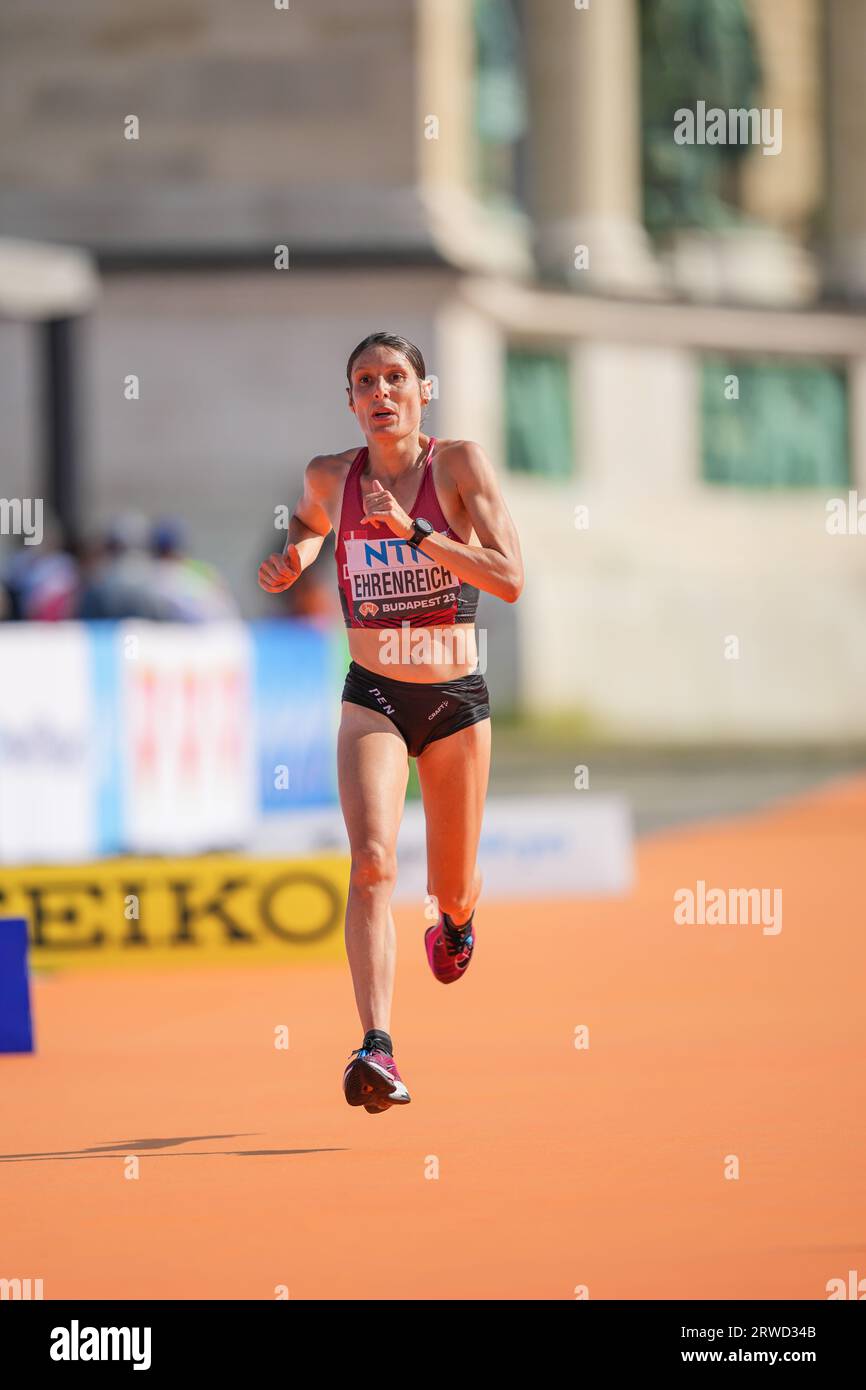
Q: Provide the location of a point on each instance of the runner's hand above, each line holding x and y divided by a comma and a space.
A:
279, 572
381, 507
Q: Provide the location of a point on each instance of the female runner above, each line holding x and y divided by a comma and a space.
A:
420, 527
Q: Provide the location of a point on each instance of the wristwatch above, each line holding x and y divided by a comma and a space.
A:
423, 529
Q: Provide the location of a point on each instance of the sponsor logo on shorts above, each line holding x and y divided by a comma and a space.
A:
381, 699
437, 710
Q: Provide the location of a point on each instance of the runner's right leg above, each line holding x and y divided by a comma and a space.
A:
373, 767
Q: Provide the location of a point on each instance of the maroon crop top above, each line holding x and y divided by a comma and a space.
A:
383, 581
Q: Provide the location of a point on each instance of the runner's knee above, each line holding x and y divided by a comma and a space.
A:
373, 866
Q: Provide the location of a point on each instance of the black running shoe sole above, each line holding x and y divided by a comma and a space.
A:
366, 1086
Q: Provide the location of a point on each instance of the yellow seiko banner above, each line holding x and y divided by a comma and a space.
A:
214, 908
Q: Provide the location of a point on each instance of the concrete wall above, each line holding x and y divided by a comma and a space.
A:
242, 381
248, 115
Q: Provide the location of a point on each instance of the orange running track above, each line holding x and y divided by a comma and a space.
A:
558, 1167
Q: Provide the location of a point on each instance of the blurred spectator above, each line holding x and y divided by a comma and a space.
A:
133, 571
41, 581
122, 582
186, 590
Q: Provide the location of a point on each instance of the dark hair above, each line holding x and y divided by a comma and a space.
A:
390, 340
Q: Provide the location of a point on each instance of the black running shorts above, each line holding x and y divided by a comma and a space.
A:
420, 711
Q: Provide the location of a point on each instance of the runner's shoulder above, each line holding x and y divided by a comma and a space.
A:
461, 459
326, 473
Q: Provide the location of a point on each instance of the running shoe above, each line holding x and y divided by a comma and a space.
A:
449, 949
371, 1079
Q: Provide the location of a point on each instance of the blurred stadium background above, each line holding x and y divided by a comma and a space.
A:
662, 347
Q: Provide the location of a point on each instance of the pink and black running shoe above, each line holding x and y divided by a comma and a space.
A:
449, 948
371, 1079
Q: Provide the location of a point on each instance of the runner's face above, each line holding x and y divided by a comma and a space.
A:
386, 395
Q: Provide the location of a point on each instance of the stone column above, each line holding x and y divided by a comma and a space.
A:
784, 190
846, 46
585, 171
444, 63
466, 233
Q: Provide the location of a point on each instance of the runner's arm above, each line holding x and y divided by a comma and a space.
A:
310, 523
496, 565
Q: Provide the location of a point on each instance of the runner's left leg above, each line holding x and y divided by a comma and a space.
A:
453, 772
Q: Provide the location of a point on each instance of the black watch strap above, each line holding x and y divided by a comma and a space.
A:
422, 530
